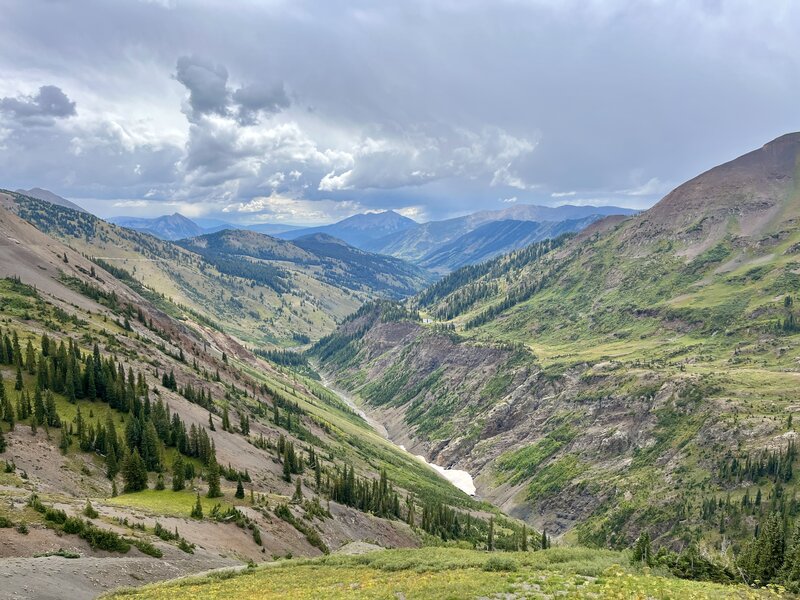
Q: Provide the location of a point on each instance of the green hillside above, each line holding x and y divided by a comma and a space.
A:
280, 295
641, 376
167, 446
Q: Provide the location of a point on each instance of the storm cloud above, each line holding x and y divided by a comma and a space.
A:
41, 108
309, 110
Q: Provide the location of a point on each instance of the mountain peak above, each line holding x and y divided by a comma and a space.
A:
748, 196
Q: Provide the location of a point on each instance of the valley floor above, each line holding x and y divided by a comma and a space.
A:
439, 573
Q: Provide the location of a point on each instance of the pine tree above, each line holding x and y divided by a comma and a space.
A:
197, 509
239, 489
298, 491
3, 444
490, 536
287, 467
113, 488
134, 472
524, 544
160, 482
214, 490
226, 423
19, 385
178, 474
65, 442
211, 423
545, 541
30, 358
112, 466
642, 551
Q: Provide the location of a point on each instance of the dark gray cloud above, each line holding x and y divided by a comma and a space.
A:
207, 84
254, 98
41, 108
437, 108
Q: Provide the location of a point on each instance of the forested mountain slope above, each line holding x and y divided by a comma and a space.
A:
326, 258
495, 238
283, 299
641, 375
140, 447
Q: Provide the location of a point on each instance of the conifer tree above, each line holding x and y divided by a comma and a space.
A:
287, 469
490, 536
134, 472
524, 544
19, 385
298, 491
178, 474
226, 423
3, 443
642, 552
214, 490
239, 489
65, 441
112, 465
197, 509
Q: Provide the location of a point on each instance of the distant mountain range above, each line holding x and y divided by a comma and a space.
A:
177, 227
166, 227
495, 238
360, 230
439, 246
421, 244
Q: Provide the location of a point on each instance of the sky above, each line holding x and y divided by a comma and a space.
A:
308, 111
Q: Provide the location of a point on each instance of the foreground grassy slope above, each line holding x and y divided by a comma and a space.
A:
439, 573
603, 385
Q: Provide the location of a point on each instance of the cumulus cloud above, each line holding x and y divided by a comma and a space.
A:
255, 98
209, 93
43, 108
207, 84
283, 209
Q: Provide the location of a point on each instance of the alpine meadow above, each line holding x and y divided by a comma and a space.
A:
484, 300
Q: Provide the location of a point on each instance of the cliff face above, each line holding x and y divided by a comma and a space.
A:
552, 449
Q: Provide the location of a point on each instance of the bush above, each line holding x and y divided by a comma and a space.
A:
186, 546
105, 540
89, 511
147, 548
5, 522
74, 525
500, 563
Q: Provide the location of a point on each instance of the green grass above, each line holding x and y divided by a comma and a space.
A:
169, 503
440, 574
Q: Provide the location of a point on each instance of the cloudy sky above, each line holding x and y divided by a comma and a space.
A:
309, 111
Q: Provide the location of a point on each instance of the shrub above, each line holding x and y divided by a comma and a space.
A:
74, 525
186, 546
89, 511
500, 563
5, 522
147, 548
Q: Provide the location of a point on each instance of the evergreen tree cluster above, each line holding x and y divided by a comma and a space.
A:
776, 465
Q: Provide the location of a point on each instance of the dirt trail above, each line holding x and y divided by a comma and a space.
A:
58, 578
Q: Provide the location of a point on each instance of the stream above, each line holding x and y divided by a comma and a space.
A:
461, 479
